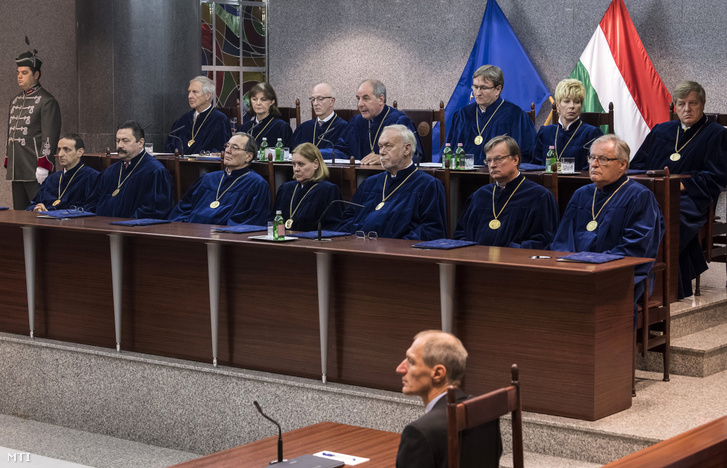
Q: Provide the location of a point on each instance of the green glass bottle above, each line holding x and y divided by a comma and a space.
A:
550, 159
263, 146
279, 151
278, 226
459, 157
447, 156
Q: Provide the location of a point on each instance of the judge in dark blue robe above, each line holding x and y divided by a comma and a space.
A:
267, 122
137, 186
324, 130
702, 149
571, 137
526, 213
403, 202
359, 137
204, 128
302, 201
71, 187
629, 221
490, 116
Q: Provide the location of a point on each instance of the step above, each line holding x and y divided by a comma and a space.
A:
538, 460
697, 355
689, 316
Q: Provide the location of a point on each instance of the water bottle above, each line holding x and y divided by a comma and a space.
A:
279, 151
459, 157
550, 159
263, 147
278, 226
447, 156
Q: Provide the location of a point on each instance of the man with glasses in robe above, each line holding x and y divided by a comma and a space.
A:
325, 128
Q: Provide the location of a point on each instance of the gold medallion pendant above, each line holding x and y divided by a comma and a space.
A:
495, 224
57, 202
214, 204
379, 206
592, 225
190, 142
478, 140
115, 192
675, 157
289, 223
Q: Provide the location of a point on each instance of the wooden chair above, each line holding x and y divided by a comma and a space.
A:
290, 113
481, 410
653, 319
423, 120
597, 119
347, 114
233, 113
532, 112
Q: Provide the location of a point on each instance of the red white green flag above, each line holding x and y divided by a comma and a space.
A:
615, 67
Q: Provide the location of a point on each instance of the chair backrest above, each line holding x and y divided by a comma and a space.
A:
233, 113
423, 120
347, 114
481, 410
290, 113
597, 119
532, 112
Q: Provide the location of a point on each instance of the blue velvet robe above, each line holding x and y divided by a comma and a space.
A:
509, 120
310, 210
577, 148
330, 131
272, 127
630, 224
147, 193
415, 211
529, 220
80, 192
246, 202
354, 139
212, 133
705, 160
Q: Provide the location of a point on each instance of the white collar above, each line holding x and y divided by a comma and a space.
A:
330, 116
197, 113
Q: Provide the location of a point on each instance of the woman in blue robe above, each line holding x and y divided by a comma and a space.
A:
267, 122
571, 137
303, 200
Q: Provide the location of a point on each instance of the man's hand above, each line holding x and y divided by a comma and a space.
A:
41, 174
681, 187
371, 158
40, 207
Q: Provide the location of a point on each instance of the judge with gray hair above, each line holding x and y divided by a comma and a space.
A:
203, 128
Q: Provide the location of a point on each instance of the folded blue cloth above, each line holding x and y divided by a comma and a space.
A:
240, 228
531, 167
140, 222
4, 208
324, 233
70, 213
590, 257
636, 171
443, 244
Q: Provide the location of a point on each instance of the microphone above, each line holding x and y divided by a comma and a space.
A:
333, 145
181, 143
280, 432
320, 220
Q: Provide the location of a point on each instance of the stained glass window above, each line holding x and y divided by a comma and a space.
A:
234, 52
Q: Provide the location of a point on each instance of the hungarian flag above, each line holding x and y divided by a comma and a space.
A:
615, 67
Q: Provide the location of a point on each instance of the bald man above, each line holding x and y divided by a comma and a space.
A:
324, 130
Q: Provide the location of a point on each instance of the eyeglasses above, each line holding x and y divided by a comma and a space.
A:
319, 98
602, 160
496, 160
371, 235
482, 88
234, 147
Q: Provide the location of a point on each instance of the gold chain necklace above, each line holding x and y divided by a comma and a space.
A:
376, 138
675, 156
496, 223
121, 169
592, 225
327, 128
383, 191
478, 138
216, 203
555, 146
289, 222
60, 180
194, 134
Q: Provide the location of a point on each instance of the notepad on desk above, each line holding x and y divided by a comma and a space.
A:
589, 257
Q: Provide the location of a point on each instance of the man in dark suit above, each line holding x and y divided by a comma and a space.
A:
434, 361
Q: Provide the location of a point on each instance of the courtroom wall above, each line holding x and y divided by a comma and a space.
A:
418, 48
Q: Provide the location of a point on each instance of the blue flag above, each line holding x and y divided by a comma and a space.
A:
496, 44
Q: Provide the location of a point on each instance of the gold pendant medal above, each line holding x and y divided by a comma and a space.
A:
379, 206
115, 192
214, 204
592, 225
478, 140
190, 142
289, 223
495, 224
57, 202
675, 157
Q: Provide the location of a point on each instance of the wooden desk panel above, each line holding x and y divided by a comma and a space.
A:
379, 446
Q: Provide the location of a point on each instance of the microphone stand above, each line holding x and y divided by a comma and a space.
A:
320, 220
280, 433
181, 143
